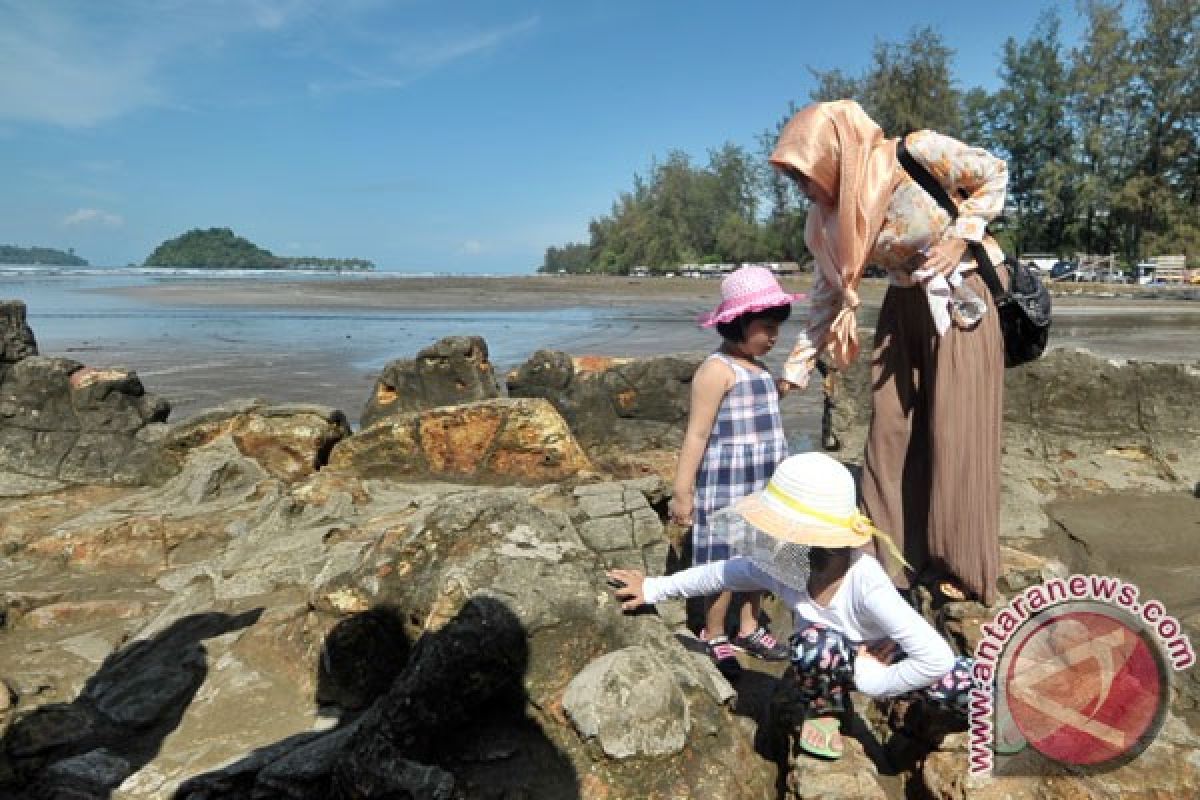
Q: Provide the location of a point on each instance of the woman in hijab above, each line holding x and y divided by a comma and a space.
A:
931, 476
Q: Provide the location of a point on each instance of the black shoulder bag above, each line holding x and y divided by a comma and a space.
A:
1024, 308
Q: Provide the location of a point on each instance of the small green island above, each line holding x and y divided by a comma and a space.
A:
40, 256
221, 248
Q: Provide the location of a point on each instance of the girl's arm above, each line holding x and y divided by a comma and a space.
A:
927, 655
735, 574
713, 379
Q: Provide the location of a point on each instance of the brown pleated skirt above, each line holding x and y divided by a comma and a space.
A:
931, 474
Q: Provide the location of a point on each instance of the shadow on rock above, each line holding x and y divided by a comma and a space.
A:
87, 748
446, 720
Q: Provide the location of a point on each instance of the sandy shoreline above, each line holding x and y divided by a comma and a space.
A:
540, 292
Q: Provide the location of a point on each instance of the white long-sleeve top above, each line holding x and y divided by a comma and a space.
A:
865, 608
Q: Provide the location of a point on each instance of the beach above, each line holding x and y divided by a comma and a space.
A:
202, 340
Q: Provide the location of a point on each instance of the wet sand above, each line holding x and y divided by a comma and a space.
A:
645, 316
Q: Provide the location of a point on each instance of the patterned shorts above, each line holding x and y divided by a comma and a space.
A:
823, 673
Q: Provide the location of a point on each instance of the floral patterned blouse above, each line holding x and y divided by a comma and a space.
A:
973, 177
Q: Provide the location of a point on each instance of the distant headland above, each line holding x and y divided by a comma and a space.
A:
11, 254
221, 248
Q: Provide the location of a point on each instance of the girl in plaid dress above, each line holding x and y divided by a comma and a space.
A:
733, 442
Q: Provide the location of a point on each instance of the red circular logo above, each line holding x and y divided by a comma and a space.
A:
1086, 687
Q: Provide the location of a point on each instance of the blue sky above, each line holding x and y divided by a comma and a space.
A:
451, 136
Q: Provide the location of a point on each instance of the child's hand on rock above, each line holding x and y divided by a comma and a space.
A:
627, 586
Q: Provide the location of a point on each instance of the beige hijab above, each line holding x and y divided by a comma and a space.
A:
839, 147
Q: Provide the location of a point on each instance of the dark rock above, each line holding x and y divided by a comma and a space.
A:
16, 337
632, 404
451, 371
63, 421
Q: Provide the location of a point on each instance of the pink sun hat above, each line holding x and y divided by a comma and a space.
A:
748, 289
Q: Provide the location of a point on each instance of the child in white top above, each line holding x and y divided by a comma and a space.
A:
800, 540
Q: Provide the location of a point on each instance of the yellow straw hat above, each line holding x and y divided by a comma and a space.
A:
811, 500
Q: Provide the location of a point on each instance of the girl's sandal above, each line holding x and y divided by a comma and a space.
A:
821, 736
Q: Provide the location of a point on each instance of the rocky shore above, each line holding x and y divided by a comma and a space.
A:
260, 602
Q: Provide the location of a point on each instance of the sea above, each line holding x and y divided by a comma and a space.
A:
201, 356
70, 310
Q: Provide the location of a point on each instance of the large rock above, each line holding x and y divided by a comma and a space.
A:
612, 403
629, 702
63, 421
1069, 406
16, 337
1073, 423
494, 441
289, 441
505, 606
449, 372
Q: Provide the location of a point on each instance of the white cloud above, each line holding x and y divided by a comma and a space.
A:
430, 55
411, 59
471, 247
56, 72
93, 216
78, 63
81, 63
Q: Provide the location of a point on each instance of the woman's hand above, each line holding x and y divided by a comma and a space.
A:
627, 586
945, 256
681, 508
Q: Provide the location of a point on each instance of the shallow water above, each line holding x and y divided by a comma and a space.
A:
72, 313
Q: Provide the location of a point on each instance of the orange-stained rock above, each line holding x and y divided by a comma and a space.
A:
144, 543
493, 441
290, 442
68, 613
594, 363
456, 440
388, 449
28, 518
535, 445
290, 447
89, 376
627, 399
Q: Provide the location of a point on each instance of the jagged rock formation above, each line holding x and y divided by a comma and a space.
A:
451, 371
64, 423
494, 441
290, 610
633, 403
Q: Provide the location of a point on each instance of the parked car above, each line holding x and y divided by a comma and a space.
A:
1061, 269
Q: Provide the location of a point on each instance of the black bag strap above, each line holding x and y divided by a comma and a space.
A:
918, 173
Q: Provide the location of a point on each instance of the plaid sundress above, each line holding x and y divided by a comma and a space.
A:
746, 444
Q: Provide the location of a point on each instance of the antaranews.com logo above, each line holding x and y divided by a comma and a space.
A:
1076, 669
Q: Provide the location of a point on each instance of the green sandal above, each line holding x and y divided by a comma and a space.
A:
821, 736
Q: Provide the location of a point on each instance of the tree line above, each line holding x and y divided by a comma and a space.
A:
12, 254
221, 248
1102, 141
